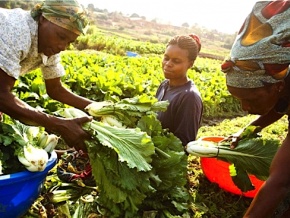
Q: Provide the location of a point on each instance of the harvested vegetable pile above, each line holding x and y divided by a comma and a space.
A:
24, 147
139, 168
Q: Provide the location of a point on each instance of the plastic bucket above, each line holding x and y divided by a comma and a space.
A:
217, 171
18, 191
131, 54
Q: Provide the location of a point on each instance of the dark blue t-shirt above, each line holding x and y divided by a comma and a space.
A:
183, 115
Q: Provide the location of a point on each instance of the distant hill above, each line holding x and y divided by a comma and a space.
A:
214, 43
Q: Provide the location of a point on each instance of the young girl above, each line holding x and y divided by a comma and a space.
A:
183, 115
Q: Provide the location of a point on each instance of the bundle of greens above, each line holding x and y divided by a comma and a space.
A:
251, 156
24, 147
126, 112
137, 166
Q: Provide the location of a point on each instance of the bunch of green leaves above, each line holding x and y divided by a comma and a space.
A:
251, 156
127, 189
169, 167
137, 169
128, 110
256, 155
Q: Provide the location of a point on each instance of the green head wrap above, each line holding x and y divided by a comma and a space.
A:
68, 14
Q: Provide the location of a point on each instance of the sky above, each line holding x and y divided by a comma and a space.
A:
223, 15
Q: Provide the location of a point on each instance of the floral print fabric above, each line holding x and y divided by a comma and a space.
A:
18, 46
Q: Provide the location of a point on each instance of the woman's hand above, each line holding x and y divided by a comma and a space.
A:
73, 134
250, 131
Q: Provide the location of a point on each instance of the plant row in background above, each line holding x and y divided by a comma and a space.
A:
100, 40
101, 76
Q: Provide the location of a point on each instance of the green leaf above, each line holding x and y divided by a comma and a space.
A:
241, 179
253, 155
132, 145
251, 132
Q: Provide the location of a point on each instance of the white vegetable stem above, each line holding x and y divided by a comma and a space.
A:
33, 158
210, 149
111, 121
94, 107
202, 149
1, 168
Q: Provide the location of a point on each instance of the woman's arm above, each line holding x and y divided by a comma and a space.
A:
262, 121
267, 119
276, 187
56, 91
70, 129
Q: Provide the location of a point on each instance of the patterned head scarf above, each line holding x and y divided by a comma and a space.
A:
261, 52
68, 14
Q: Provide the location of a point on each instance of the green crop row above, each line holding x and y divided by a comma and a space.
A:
98, 40
102, 76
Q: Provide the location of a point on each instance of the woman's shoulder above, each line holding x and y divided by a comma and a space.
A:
193, 88
19, 28
189, 92
16, 20
163, 85
192, 94
14, 17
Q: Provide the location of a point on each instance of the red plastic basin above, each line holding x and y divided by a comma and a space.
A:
217, 171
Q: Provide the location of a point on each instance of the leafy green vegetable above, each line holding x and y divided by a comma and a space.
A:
22, 146
131, 145
242, 180
128, 110
251, 156
136, 169
34, 159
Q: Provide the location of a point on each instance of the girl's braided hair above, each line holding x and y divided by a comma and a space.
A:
189, 42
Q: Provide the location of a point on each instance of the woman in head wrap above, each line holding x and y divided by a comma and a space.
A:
257, 74
183, 115
31, 40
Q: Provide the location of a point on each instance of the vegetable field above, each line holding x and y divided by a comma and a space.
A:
101, 76
106, 77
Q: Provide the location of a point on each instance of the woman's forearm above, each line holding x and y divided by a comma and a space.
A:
267, 119
59, 93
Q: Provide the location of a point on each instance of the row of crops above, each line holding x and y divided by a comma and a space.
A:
115, 43
102, 76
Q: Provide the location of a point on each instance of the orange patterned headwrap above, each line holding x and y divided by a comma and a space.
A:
261, 52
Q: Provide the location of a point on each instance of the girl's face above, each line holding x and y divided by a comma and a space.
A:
175, 64
53, 39
256, 100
